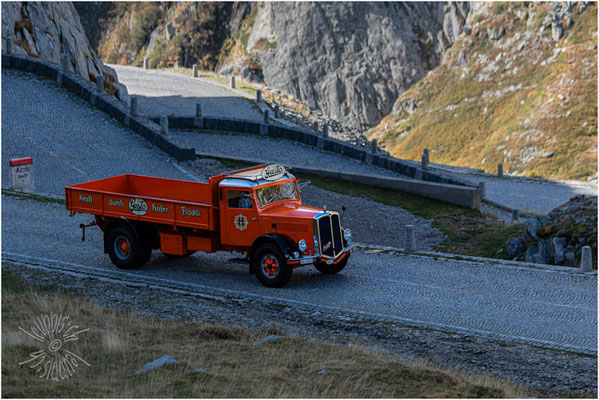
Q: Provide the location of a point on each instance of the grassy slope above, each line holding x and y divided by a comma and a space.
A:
462, 125
118, 344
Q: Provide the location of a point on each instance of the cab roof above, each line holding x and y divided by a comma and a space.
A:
256, 176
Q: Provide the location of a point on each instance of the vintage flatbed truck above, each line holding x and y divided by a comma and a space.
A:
255, 211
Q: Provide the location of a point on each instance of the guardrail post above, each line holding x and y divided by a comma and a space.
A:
232, 82
515, 215
425, 152
133, 106
482, 190
65, 63
500, 170
100, 83
146, 63
325, 131
258, 96
194, 68
410, 244
586, 261
374, 146
164, 125
315, 126
276, 111
424, 161
266, 117
198, 109
9, 45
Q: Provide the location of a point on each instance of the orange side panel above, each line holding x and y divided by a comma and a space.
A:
173, 244
207, 245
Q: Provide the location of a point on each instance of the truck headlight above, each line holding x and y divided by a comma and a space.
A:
347, 235
301, 245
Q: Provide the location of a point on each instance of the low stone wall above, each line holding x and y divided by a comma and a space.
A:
310, 138
454, 194
100, 99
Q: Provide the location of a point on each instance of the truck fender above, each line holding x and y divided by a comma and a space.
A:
285, 244
116, 222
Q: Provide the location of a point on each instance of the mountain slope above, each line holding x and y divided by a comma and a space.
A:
519, 89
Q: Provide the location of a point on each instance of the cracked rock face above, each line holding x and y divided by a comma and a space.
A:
352, 60
48, 30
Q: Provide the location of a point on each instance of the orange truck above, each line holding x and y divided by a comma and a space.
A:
255, 211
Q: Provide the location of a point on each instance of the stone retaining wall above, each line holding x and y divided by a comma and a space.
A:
102, 100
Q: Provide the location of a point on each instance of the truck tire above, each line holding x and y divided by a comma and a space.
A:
270, 266
331, 269
126, 251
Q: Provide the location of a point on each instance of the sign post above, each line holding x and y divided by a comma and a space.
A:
22, 174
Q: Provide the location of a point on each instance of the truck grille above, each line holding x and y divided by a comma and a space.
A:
328, 228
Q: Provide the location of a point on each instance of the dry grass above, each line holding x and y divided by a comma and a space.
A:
462, 127
118, 344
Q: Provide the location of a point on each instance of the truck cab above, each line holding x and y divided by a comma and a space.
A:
261, 210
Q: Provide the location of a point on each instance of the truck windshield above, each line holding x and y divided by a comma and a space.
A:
270, 194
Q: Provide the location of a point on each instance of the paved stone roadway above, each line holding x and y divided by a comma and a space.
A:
542, 307
546, 308
165, 93
69, 137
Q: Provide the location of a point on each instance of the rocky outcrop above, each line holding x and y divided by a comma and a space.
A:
558, 237
50, 30
351, 60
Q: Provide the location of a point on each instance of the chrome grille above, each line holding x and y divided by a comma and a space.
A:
330, 239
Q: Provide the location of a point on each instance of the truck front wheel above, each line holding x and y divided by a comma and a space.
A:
126, 251
270, 266
332, 268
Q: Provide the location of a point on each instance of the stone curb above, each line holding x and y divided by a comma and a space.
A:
103, 101
488, 261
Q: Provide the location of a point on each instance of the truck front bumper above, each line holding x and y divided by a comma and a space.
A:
305, 260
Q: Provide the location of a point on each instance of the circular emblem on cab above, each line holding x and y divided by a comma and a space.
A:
241, 222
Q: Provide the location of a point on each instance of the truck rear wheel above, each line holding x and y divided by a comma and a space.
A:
331, 269
270, 266
126, 251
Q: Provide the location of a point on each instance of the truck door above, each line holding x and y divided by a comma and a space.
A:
239, 222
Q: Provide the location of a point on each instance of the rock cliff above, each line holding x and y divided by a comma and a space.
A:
348, 60
51, 29
351, 60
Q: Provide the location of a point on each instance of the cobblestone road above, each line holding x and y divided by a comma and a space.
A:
165, 93
541, 307
69, 137
283, 151
532, 195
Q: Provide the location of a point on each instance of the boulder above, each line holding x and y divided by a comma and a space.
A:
558, 249
159, 362
531, 225
514, 247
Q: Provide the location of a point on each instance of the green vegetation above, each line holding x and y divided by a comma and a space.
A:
468, 231
507, 105
32, 196
118, 344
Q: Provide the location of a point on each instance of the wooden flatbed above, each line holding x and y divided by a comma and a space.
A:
158, 200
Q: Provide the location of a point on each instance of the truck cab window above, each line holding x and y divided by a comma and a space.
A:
238, 199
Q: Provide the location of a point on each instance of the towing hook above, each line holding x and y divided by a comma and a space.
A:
83, 226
